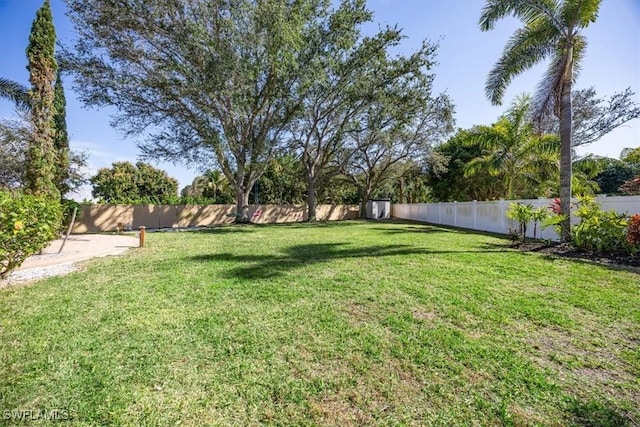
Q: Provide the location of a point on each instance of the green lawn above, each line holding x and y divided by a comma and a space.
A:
352, 323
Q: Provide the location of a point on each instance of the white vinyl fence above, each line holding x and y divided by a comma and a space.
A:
490, 216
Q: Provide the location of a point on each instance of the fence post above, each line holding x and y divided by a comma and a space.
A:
503, 215
474, 212
141, 234
439, 212
455, 213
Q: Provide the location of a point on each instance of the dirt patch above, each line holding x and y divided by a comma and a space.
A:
581, 369
365, 399
358, 311
335, 411
426, 316
567, 250
527, 416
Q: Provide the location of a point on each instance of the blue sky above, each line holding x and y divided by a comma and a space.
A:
465, 57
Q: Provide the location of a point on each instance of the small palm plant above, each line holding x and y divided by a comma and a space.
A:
522, 214
538, 216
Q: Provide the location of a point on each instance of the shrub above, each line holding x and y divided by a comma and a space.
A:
633, 232
27, 224
598, 230
555, 221
631, 187
68, 206
513, 235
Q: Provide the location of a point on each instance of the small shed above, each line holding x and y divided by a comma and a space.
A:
379, 209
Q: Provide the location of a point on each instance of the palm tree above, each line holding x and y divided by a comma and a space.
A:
213, 184
551, 30
585, 170
15, 92
514, 150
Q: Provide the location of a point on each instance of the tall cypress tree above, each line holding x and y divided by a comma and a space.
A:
41, 155
61, 138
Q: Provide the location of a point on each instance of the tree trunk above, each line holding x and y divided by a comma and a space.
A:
565, 158
363, 205
242, 205
510, 192
363, 209
311, 199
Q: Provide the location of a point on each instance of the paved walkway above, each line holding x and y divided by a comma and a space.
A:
79, 247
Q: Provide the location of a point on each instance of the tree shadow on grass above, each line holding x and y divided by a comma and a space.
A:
611, 265
252, 266
252, 227
422, 227
597, 414
225, 229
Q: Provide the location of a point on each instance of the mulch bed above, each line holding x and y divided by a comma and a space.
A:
567, 250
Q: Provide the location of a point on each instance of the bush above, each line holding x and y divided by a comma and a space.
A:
598, 230
554, 221
631, 187
68, 206
633, 232
27, 224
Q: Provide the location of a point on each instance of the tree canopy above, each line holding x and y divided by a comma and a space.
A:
351, 74
631, 155
593, 116
126, 183
445, 172
14, 140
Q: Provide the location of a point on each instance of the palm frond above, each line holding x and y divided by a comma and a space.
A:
486, 137
589, 166
579, 49
15, 92
580, 12
547, 97
526, 10
480, 164
582, 184
519, 110
548, 92
525, 48
543, 147
547, 144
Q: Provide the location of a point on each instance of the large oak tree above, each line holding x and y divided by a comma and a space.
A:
349, 73
210, 82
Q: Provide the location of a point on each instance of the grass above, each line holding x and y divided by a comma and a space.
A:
353, 323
